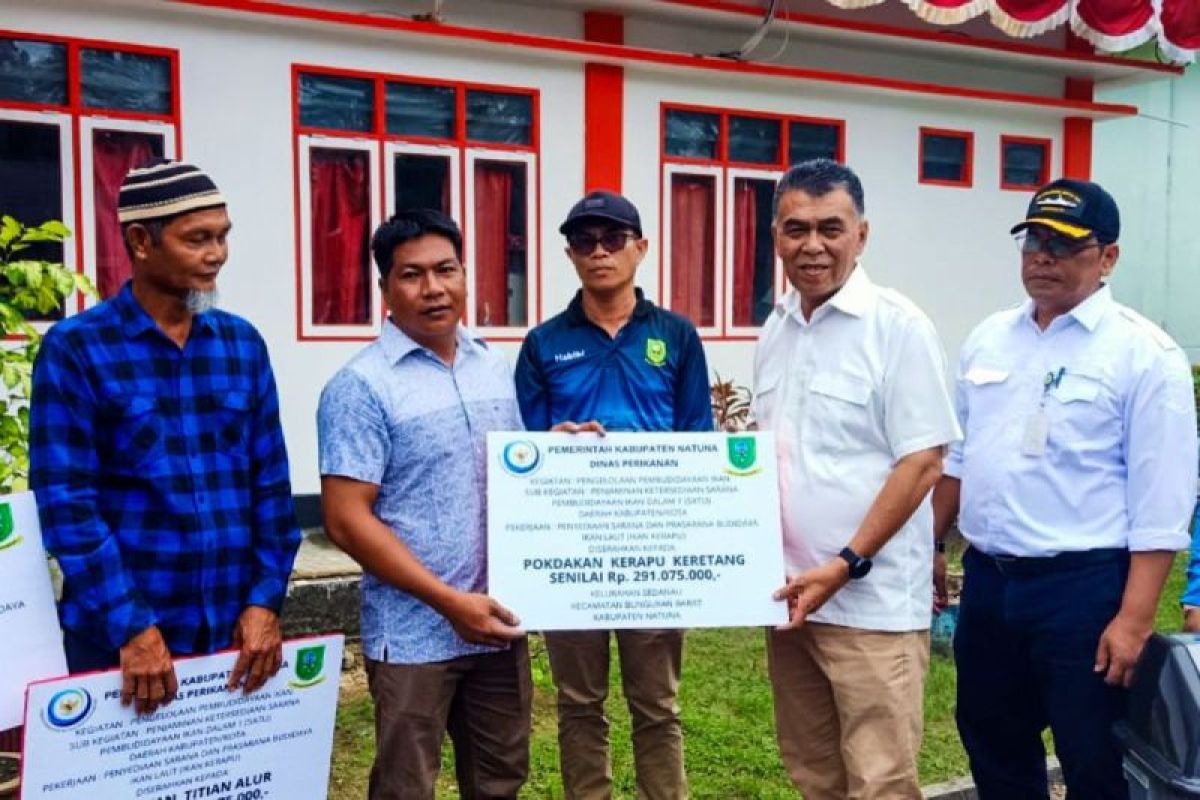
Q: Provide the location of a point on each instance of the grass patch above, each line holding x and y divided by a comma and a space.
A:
729, 734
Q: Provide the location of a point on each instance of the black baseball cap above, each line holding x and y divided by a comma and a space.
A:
1076, 209
603, 205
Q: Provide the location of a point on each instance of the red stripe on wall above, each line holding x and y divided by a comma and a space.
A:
1077, 131
603, 107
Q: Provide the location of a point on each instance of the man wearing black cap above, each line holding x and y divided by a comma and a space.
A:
158, 460
1077, 476
614, 361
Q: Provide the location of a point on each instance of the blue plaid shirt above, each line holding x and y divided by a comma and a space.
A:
161, 475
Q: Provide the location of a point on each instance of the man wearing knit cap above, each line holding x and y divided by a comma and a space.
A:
158, 459
1077, 475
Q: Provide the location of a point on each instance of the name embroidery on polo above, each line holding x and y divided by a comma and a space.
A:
568, 356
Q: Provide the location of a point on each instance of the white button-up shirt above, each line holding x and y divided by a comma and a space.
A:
1115, 465
848, 393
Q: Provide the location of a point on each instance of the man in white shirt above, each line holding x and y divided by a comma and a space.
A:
1076, 475
851, 378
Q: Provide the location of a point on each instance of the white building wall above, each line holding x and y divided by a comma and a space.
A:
946, 248
1151, 164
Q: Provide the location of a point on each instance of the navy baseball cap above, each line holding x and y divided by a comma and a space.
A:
603, 205
1076, 209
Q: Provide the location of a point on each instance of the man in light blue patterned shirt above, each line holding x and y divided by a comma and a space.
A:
402, 430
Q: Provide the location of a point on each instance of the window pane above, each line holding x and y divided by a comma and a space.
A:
501, 250
114, 153
692, 134
341, 226
34, 72
419, 110
1024, 164
126, 81
753, 252
422, 182
344, 104
754, 140
693, 262
809, 140
31, 183
499, 117
944, 158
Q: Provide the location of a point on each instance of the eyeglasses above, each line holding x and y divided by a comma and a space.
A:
584, 244
1051, 244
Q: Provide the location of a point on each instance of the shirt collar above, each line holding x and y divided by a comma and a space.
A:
576, 317
397, 345
1087, 313
136, 321
854, 298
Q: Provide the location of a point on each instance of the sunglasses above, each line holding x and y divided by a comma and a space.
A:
1052, 245
584, 244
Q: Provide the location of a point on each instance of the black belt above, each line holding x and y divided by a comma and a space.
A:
1063, 562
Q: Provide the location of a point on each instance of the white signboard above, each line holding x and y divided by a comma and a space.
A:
208, 743
28, 620
634, 530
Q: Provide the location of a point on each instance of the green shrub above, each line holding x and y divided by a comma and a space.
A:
28, 288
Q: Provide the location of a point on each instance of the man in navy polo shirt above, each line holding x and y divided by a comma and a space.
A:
616, 359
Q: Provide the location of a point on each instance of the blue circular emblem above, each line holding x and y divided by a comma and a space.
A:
521, 458
69, 708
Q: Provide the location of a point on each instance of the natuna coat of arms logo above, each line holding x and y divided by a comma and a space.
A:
310, 661
743, 454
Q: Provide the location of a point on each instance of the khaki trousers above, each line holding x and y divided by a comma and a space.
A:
650, 665
483, 701
849, 709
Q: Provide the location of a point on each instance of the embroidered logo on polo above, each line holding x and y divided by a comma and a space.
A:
656, 352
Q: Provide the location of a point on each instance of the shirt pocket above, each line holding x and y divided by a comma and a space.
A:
988, 390
1081, 407
136, 439
232, 424
839, 412
765, 402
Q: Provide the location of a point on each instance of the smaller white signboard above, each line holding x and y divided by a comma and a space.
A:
33, 647
208, 743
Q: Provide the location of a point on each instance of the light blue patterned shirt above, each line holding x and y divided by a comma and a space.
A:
398, 417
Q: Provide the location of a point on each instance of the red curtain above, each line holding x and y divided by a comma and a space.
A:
1116, 18
493, 220
745, 248
114, 153
693, 218
1181, 27
341, 219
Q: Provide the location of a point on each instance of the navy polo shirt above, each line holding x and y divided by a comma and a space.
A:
652, 376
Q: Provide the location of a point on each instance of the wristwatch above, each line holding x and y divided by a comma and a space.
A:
859, 566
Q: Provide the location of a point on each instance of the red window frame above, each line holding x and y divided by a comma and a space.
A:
1047, 150
76, 111
724, 330
380, 137
968, 164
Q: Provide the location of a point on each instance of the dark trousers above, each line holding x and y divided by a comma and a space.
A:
1025, 649
483, 701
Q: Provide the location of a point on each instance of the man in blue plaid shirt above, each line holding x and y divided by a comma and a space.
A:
158, 460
